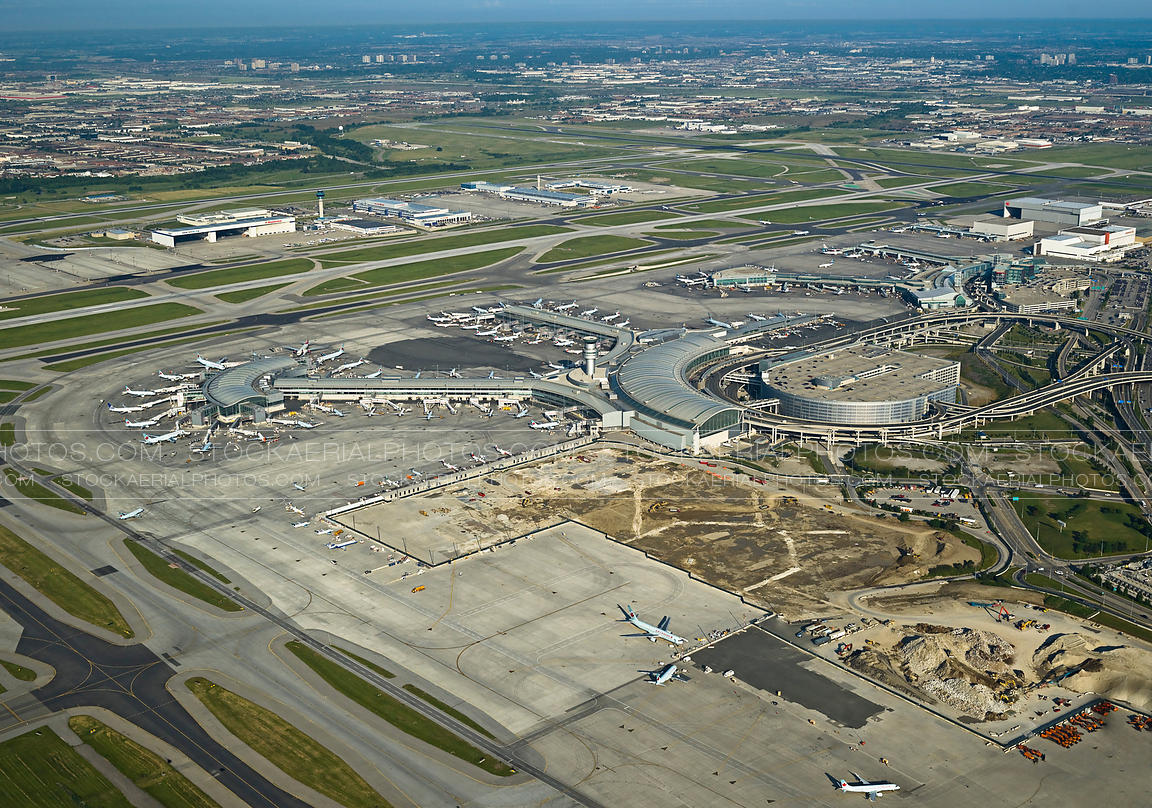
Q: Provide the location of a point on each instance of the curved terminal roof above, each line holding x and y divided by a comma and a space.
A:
623, 336
231, 386
655, 380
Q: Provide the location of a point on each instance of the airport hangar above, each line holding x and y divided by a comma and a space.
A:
638, 386
214, 226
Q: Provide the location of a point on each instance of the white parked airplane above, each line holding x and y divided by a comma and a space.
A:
824, 248
452, 374
610, 317
563, 343
151, 422
299, 487
415, 473
515, 335
544, 424
300, 350
204, 447
566, 306
719, 323
326, 532
208, 363
535, 375
373, 375
305, 523
133, 408
350, 365
800, 232
328, 357
170, 437
491, 332
588, 312
538, 303
128, 391
503, 452
757, 317
176, 377
479, 458
449, 466
131, 514
521, 412
666, 674
623, 323
828, 264
862, 786
658, 632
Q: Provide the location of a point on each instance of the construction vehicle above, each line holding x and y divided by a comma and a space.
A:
416, 589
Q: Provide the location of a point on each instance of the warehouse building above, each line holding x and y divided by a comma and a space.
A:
214, 226
428, 217
997, 228
539, 196
1107, 243
1054, 211
859, 384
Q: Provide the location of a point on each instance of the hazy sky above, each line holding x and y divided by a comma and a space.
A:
72, 14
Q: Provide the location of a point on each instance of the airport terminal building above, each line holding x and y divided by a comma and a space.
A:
859, 384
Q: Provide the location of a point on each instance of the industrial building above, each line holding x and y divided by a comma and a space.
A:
997, 228
593, 188
366, 227
214, 226
539, 196
427, 217
1106, 243
859, 384
1054, 211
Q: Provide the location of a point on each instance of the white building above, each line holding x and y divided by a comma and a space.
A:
424, 216
1107, 243
1054, 211
213, 226
1000, 229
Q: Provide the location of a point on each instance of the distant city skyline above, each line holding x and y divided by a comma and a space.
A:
48, 15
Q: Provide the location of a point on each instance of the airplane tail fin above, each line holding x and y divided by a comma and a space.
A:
843, 784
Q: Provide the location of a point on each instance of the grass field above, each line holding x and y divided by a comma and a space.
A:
735, 203
73, 486
68, 300
73, 327
711, 224
196, 562
395, 712
30, 489
1043, 424
142, 766
387, 674
415, 271
684, 235
719, 184
60, 585
286, 747
7, 434
590, 247
835, 210
69, 365
626, 217
422, 246
17, 671
178, 578
1112, 155
966, 189
244, 295
1089, 528
252, 272
39, 770
448, 710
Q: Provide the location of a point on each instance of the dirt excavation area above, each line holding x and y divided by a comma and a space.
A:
960, 658
781, 548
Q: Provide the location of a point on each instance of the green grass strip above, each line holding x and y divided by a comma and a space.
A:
415, 271
196, 562
73, 327
244, 295
18, 671
590, 247
287, 748
250, 272
424, 246
60, 585
39, 770
178, 578
30, 489
64, 301
150, 772
448, 709
395, 712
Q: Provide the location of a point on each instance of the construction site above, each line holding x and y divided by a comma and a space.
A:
780, 547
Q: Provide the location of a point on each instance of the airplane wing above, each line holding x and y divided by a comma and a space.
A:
679, 677
872, 796
860, 781
664, 623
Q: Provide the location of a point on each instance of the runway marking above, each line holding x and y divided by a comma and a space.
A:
14, 714
452, 576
